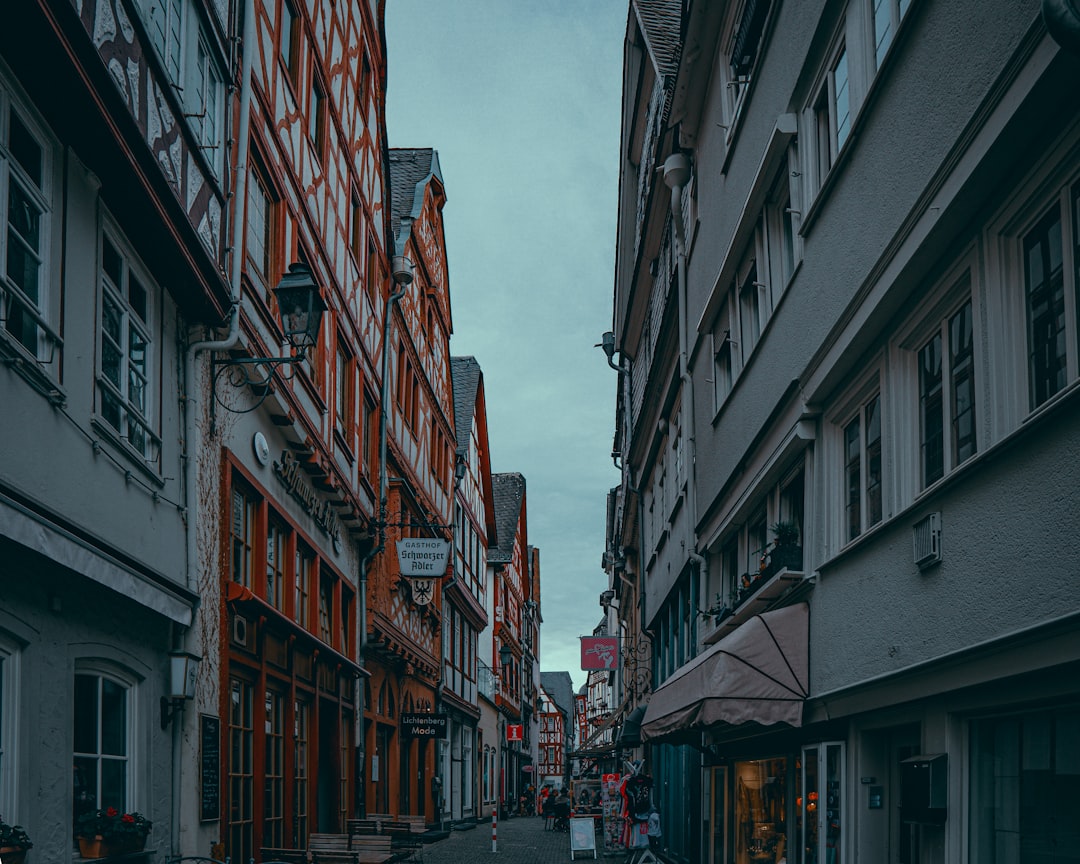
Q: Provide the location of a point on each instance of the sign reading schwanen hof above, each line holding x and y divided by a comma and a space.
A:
423, 556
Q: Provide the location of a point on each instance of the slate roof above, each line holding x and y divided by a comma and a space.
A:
661, 25
560, 688
509, 490
465, 374
410, 170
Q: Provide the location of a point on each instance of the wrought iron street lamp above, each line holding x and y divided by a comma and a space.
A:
301, 307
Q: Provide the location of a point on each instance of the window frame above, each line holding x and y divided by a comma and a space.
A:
147, 325
101, 671
872, 385
42, 312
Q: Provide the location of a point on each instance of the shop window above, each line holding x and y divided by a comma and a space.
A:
761, 798
301, 769
274, 770
820, 805
1023, 788
241, 788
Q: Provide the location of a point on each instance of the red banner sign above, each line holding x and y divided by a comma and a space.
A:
599, 652
515, 732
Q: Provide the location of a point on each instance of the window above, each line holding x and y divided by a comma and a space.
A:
25, 162
261, 212
204, 90
1044, 284
241, 768
317, 118
370, 430
290, 41
305, 561
832, 114
863, 469
365, 79
344, 391
356, 227
164, 21
947, 396
750, 311
242, 536
887, 15
276, 540
124, 362
301, 750
102, 742
326, 605
372, 276
724, 344
743, 36
9, 658
274, 764
1023, 789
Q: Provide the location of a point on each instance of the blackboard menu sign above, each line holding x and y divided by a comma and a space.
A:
210, 747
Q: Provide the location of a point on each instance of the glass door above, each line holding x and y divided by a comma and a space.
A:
714, 810
821, 804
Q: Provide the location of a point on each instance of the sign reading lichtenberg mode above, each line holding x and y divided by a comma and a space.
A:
423, 556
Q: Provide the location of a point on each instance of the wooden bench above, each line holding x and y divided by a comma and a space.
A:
350, 848
416, 823
365, 826
283, 856
405, 839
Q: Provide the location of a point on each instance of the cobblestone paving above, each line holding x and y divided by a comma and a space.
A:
520, 841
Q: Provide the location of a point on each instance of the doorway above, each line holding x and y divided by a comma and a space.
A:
329, 776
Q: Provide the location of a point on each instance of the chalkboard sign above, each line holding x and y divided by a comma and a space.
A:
210, 742
582, 836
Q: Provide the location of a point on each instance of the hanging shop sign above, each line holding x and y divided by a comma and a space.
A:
423, 556
515, 732
424, 725
599, 652
288, 471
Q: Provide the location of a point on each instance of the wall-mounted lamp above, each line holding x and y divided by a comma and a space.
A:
505, 656
183, 667
301, 307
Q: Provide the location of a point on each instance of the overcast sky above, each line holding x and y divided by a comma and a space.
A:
521, 101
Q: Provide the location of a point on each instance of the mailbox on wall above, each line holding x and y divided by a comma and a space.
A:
924, 789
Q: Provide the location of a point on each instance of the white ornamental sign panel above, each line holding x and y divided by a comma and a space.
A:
423, 556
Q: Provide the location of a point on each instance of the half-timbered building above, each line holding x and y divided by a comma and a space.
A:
293, 461
464, 614
403, 623
510, 580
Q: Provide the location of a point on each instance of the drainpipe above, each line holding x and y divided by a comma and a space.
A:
1062, 19
192, 445
676, 174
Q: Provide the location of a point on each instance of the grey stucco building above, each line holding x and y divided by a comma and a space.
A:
846, 324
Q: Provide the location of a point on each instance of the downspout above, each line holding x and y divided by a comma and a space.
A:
1062, 18
191, 430
676, 174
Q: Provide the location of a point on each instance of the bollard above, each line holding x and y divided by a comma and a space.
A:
494, 824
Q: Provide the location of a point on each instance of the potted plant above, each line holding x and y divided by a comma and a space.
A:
109, 832
14, 843
786, 551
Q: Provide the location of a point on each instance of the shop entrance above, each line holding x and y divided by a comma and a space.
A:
714, 814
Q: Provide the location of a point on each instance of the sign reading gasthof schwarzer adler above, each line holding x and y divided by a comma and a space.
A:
423, 556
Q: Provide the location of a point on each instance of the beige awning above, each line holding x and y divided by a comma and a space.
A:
758, 674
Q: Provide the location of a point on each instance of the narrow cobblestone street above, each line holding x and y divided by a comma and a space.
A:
521, 841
